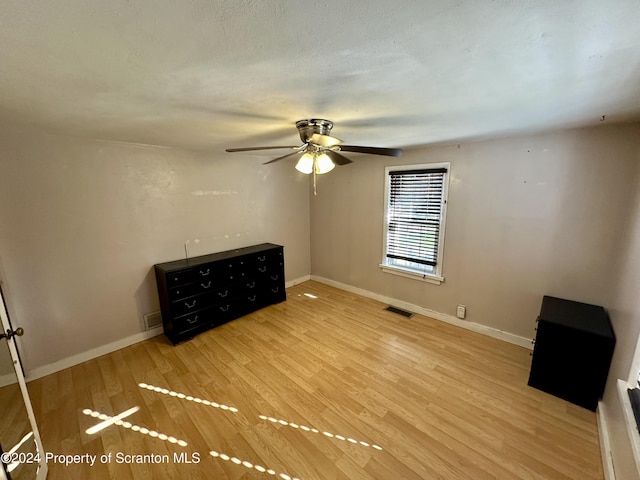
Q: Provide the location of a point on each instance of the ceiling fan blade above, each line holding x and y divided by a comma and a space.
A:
324, 140
283, 157
390, 152
337, 158
248, 149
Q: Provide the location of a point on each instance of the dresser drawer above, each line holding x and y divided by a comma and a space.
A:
275, 292
191, 289
226, 292
249, 285
262, 296
189, 305
262, 271
268, 259
271, 276
179, 278
183, 291
203, 273
228, 309
194, 320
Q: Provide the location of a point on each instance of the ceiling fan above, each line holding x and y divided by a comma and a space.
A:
319, 152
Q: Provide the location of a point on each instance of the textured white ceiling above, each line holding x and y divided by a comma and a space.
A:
211, 74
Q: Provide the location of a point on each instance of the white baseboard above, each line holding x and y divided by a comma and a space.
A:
475, 327
296, 281
605, 443
54, 367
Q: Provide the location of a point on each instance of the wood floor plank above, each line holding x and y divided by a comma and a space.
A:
327, 388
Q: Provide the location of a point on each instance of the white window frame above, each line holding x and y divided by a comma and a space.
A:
426, 273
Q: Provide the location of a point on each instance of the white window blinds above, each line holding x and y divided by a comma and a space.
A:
415, 206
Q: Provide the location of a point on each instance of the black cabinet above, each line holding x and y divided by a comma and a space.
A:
572, 352
199, 293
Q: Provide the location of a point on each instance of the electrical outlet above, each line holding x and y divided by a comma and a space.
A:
461, 311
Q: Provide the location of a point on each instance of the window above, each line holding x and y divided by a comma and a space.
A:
416, 201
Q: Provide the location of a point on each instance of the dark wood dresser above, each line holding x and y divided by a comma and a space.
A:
572, 352
200, 293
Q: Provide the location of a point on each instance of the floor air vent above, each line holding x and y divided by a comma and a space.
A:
152, 320
399, 311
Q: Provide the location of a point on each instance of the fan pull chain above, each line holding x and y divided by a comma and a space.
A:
314, 179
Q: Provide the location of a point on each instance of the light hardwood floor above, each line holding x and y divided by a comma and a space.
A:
332, 387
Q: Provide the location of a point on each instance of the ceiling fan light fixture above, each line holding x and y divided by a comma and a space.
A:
318, 163
320, 151
323, 164
305, 164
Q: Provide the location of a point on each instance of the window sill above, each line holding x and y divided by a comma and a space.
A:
424, 277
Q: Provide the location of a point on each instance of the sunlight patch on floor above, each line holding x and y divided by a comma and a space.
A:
247, 464
189, 398
315, 430
12, 466
132, 427
110, 420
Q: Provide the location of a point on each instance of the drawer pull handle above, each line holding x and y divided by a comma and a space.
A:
194, 320
274, 277
207, 285
193, 304
204, 274
225, 308
262, 259
262, 269
251, 285
222, 295
252, 299
275, 290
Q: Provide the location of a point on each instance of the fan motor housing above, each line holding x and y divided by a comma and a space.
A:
313, 125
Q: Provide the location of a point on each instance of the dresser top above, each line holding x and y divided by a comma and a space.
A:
214, 257
581, 316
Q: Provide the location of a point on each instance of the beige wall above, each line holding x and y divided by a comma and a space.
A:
83, 222
527, 216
